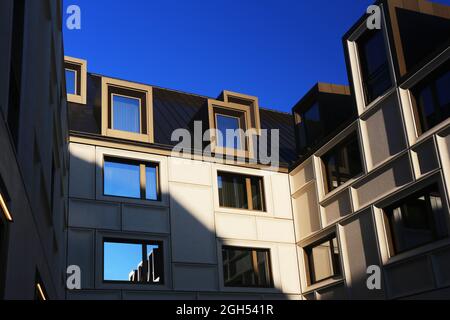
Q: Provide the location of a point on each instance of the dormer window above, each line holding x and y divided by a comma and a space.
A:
233, 124
76, 79
127, 110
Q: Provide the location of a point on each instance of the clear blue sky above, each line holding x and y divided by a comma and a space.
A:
274, 49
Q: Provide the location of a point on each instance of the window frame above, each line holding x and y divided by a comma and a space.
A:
248, 191
387, 211
143, 244
367, 34
117, 87
267, 251
246, 100
333, 150
336, 261
80, 68
220, 107
143, 165
418, 110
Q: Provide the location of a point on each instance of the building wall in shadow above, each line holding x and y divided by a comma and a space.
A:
189, 222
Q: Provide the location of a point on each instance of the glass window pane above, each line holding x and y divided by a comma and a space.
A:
417, 220
126, 114
71, 81
228, 138
246, 267
122, 179
257, 194
432, 97
232, 191
374, 65
343, 162
151, 187
313, 124
121, 261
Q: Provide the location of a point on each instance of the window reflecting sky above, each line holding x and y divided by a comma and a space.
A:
120, 259
71, 82
225, 123
121, 179
126, 114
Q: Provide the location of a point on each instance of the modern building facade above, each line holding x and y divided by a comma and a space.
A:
33, 151
377, 192
362, 184
140, 187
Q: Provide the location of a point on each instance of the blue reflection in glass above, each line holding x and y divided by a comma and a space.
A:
126, 114
120, 259
71, 81
122, 179
151, 191
225, 123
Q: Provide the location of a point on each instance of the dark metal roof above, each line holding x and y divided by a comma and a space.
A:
173, 110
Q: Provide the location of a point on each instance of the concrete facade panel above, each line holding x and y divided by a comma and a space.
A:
82, 171
193, 230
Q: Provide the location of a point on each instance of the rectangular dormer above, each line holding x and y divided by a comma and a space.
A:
237, 113
76, 79
127, 110
325, 109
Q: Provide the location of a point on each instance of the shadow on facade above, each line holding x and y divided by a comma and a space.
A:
183, 224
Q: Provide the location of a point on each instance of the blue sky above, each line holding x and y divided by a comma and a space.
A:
274, 49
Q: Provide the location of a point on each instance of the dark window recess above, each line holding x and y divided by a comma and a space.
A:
240, 191
422, 36
416, 220
373, 57
320, 115
432, 98
133, 261
310, 128
15, 72
245, 267
131, 179
342, 163
323, 260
